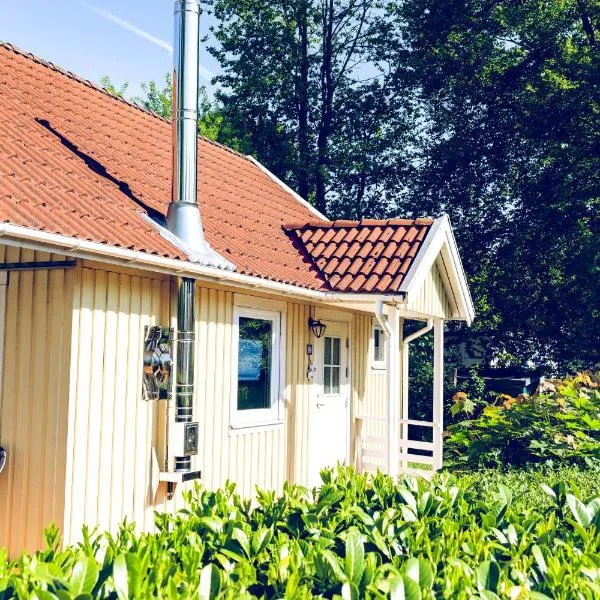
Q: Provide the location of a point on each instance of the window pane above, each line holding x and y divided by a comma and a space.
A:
254, 363
327, 360
327, 380
335, 380
336, 351
378, 346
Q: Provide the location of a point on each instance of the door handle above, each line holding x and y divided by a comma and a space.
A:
320, 404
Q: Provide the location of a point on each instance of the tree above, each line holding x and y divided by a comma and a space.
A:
299, 79
509, 145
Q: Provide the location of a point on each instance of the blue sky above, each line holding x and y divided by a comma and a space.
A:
127, 41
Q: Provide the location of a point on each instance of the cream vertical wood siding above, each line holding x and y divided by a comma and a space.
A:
369, 385
298, 393
249, 457
113, 432
34, 399
431, 299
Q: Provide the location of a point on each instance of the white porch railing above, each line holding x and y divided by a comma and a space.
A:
371, 447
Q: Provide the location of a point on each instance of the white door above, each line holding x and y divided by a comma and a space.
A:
330, 414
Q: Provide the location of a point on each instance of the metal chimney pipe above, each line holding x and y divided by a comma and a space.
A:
183, 216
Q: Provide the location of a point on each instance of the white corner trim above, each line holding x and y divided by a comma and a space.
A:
440, 235
287, 188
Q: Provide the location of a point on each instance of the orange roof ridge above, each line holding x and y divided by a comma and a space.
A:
73, 76
339, 223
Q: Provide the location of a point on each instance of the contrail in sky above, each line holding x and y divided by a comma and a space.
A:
105, 14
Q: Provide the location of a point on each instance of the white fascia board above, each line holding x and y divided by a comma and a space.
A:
465, 292
441, 236
14, 235
287, 188
426, 256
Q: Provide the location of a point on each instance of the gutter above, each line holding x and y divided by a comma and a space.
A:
15, 235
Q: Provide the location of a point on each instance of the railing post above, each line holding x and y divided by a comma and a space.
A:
438, 392
393, 391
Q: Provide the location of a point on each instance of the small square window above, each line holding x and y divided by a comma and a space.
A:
378, 345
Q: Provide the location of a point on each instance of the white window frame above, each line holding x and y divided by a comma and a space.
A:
378, 364
260, 417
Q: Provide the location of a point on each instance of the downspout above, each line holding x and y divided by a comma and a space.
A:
381, 318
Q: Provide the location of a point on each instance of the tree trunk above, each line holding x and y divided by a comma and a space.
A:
327, 91
303, 105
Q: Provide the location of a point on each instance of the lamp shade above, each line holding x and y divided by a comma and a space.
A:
317, 327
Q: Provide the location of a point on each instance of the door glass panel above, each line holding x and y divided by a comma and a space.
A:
327, 351
335, 380
331, 365
336, 351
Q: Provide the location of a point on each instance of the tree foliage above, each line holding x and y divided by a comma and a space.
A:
485, 109
301, 80
509, 146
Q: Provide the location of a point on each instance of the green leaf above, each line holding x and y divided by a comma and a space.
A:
487, 595
420, 571
261, 539
126, 574
579, 510
84, 576
488, 576
210, 582
539, 559
355, 555
412, 591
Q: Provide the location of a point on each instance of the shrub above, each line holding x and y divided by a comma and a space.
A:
560, 424
356, 537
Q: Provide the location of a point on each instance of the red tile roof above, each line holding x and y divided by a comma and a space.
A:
368, 256
79, 162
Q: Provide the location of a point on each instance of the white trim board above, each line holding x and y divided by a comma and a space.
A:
287, 188
440, 241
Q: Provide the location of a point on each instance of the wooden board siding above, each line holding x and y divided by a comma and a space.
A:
369, 385
250, 457
113, 432
34, 398
298, 396
431, 300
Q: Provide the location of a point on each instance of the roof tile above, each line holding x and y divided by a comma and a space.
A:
368, 256
79, 162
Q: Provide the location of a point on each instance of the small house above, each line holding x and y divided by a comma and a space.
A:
170, 311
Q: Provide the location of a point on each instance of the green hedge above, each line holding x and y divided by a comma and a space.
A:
357, 537
560, 424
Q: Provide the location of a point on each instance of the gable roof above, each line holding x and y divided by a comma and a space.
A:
85, 168
368, 256
77, 161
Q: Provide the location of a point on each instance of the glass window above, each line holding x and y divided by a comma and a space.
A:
378, 347
331, 366
255, 358
256, 398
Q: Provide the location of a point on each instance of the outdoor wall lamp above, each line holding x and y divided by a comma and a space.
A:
317, 327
